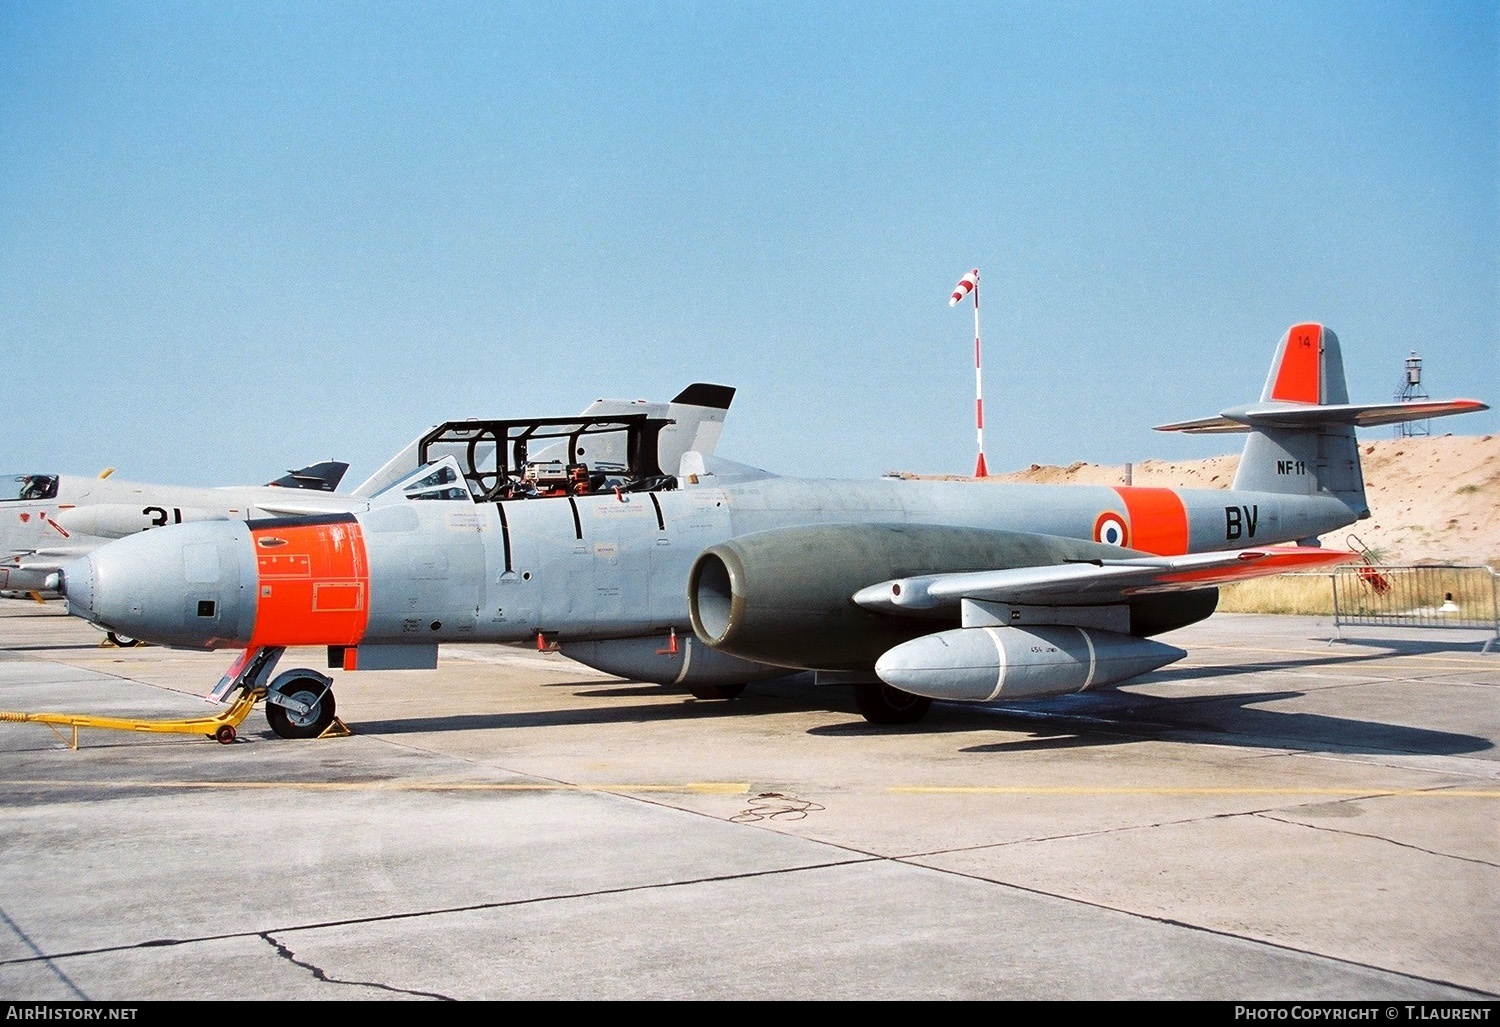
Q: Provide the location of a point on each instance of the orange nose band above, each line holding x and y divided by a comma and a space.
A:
313, 581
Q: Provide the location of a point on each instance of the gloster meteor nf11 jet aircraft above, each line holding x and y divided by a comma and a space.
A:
708, 575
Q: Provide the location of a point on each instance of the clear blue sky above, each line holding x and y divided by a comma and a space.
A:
240, 237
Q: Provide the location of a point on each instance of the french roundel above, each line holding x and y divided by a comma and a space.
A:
1111, 530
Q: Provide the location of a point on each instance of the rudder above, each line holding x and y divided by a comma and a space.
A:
1321, 456
1308, 368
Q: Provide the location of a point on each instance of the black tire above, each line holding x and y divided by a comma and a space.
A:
225, 734
879, 703
302, 725
716, 691
123, 641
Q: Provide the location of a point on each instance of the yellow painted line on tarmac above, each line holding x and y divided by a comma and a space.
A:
1372, 793
700, 787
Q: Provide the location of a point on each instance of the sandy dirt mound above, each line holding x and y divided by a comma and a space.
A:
1434, 498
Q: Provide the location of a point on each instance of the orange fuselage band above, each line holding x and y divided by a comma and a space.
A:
313, 584
1158, 520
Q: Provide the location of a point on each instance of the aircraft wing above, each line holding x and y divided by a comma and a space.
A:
1095, 582
28, 571
42, 559
294, 509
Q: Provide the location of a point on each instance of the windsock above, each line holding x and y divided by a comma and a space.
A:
965, 286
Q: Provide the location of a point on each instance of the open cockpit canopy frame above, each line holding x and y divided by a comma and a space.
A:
549, 456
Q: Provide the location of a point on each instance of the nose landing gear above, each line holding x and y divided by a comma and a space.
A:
299, 703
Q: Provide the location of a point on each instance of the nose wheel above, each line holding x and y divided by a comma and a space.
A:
299, 704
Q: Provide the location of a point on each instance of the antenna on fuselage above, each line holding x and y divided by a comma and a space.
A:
969, 283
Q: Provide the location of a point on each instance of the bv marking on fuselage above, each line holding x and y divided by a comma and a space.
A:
1240, 521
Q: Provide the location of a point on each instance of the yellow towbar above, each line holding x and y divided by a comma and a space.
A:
220, 727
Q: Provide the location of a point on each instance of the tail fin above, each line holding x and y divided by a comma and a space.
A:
1302, 430
322, 477
699, 411
697, 419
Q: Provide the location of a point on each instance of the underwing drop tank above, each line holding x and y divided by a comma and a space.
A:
983, 664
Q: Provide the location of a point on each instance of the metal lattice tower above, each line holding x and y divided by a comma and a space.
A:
1411, 391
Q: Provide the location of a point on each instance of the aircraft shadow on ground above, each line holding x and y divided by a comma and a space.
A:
1412, 646
1111, 718
1107, 717
751, 704
1334, 658
50, 648
1349, 648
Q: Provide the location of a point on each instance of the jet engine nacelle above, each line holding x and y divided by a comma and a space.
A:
784, 596
990, 663
116, 520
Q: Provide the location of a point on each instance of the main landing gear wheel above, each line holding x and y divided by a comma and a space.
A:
290, 724
715, 691
879, 703
123, 641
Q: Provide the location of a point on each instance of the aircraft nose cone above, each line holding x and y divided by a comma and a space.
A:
190, 586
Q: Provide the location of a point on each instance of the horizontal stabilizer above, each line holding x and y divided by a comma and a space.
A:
1303, 415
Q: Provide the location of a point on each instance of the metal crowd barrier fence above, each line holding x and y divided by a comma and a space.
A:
1417, 597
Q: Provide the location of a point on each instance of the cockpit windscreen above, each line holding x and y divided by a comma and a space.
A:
27, 487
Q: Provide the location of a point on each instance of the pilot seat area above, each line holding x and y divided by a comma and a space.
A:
548, 457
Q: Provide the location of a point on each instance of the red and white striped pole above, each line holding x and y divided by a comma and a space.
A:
969, 283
